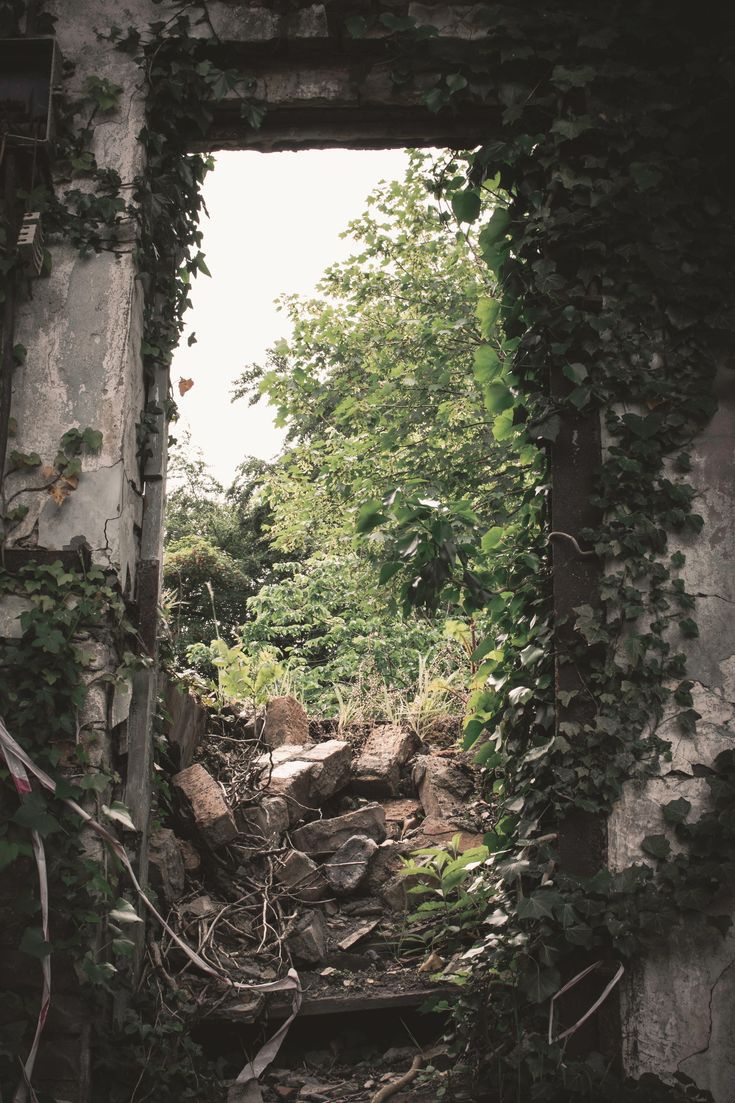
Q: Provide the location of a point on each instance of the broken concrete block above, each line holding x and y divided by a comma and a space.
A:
165, 865
306, 776
307, 939
263, 824
332, 767
285, 723
326, 836
190, 856
444, 786
347, 868
378, 767
201, 798
301, 876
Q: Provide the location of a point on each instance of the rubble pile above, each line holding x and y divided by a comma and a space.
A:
286, 847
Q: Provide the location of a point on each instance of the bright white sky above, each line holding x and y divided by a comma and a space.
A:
274, 226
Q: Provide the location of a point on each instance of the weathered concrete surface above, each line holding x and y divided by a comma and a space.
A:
678, 1006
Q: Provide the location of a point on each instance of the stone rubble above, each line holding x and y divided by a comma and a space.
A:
292, 848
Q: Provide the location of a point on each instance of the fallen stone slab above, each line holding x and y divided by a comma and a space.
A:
285, 723
377, 771
190, 856
306, 776
327, 836
444, 786
347, 868
307, 939
303, 877
165, 865
201, 800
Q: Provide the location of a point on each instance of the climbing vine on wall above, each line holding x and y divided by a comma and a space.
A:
611, 256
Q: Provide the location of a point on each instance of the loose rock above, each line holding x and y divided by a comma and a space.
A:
201, 798
302, 876
348, 867
378, 767
307, 939
285, 723
327, 836
306, 776
443, 786
263, 824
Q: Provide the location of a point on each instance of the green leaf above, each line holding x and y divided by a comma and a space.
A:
8, 853
676, 811
487, 312
492, 538
34, 944
34, 816
487, 364
118, 812
497, 398
356, 26
658, 846
388, 570
124, 912
369, 516
495, 228
689, 628
93, 439
466, 205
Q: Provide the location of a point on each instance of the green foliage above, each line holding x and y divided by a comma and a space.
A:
454, 900
242, 679
218, 538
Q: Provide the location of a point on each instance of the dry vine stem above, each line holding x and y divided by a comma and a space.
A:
408, 1077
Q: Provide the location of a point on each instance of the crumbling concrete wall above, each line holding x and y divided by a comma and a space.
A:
679, 1004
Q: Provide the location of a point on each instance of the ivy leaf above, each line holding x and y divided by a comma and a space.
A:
689, 628
34, 944
497, 397
495, 228
538, 983
119, 814
34, 816
8, 853
687, 721
491, 539
93, 439
657, 846
676, 811
124, 912
356, 26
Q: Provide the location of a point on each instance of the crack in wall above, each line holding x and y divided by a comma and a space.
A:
705, 1048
